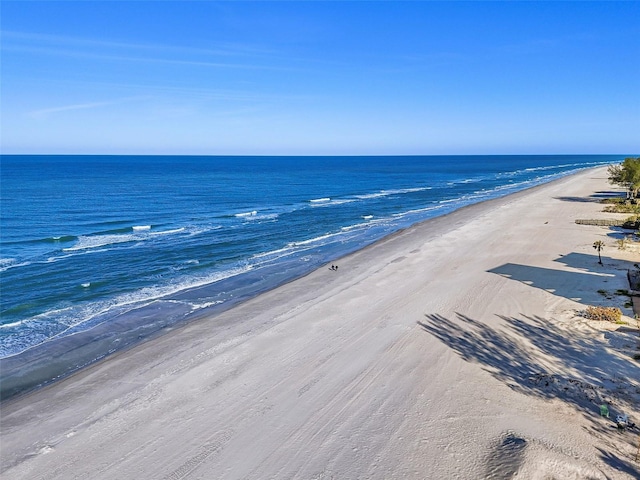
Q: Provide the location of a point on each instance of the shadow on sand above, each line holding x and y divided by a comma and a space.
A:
596, 197
594, 372
576, 285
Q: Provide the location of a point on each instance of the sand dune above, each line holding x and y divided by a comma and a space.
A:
453, 349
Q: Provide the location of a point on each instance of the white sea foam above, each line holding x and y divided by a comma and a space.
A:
549, 167
200, 306
278, 253
516, 185
95, 241
73, 319
12, 325
367, 217
73, 253
342, 200
465, 181
139, 228
141, 233
94, 244
507, 174
407, 190
368, 196
320, 200
255, 216
63, 238
246, 214
355, 227
579, 166
197, 230
315, 240
7, 263
331, 202
395, 191
268, 216
168, 232
479, 195
417, 210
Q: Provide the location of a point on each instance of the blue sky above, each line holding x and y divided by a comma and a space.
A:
287, 78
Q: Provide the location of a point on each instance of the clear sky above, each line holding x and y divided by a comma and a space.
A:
199, 77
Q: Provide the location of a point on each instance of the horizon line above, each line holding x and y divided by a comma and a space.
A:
311, 155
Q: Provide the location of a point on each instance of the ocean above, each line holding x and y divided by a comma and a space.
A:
118, 248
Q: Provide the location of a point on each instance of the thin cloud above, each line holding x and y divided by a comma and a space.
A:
45, 113
224, 49
137, 59
229, 55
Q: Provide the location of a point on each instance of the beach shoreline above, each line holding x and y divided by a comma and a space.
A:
58, 358
425, 355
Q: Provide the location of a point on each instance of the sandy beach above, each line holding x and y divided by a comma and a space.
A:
453, 349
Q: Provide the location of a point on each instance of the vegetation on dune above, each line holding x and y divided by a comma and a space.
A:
621, 205
627, 175
626, 242
604, 314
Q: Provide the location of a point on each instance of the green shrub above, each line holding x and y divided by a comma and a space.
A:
620, 205
604, 314
622, 243
632, 222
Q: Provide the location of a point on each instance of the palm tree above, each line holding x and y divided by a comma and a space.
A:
599, 245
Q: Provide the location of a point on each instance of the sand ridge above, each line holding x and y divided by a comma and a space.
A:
439, 352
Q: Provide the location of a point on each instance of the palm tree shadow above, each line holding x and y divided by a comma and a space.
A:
503, 356
618, 463
589, 374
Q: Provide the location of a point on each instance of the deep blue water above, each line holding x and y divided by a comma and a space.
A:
89, 240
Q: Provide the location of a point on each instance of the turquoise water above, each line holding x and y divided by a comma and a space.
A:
89, 241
